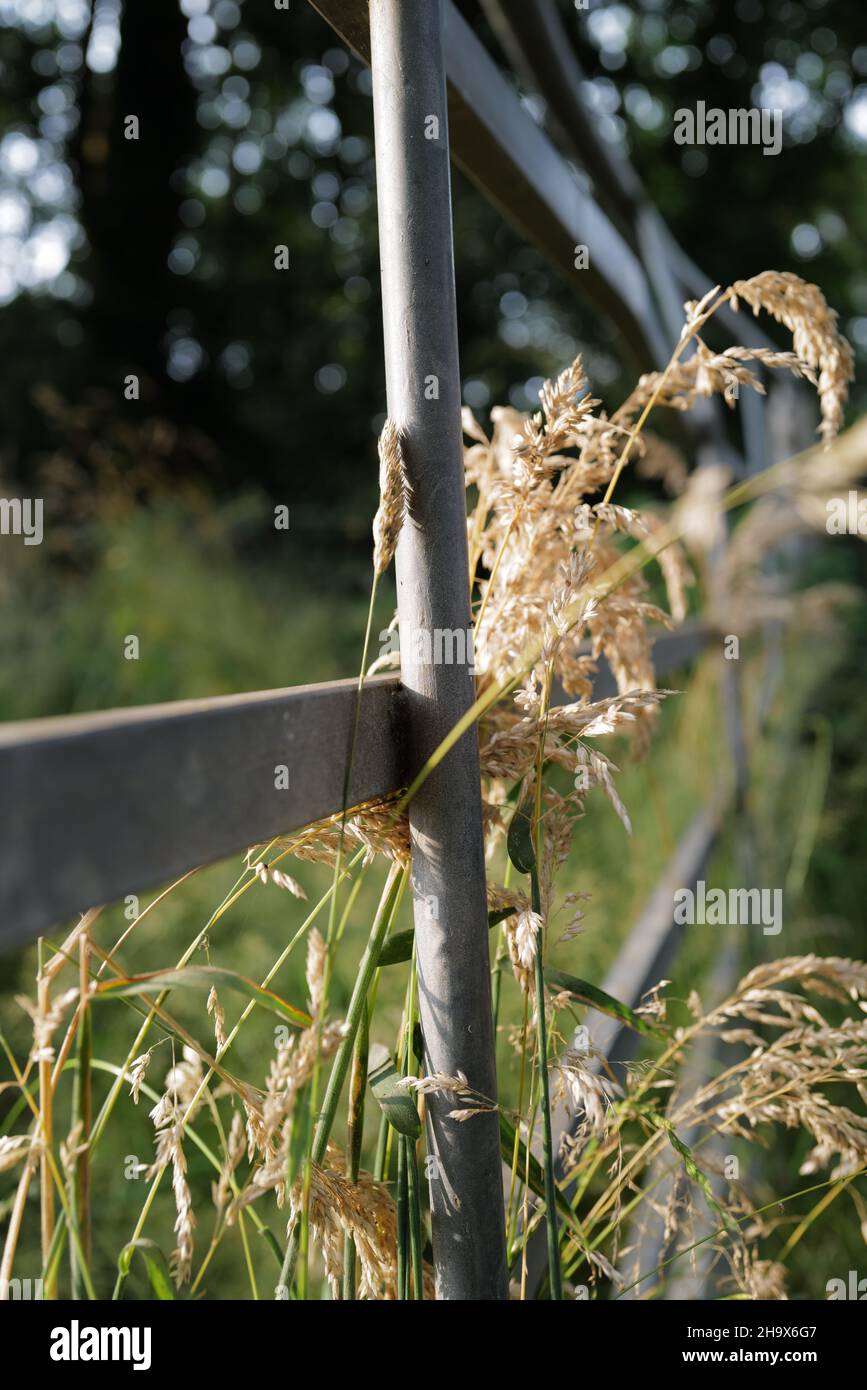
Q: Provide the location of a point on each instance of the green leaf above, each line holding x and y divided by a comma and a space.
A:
299, 1135
586, 993
398, 947
273, 1246
203, 977
533, 1169
418, 1043
522, 851
499, 914
534, 1173
156, 1264
395, 1101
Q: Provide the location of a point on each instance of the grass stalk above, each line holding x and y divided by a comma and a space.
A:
388, 904
402, 1202
410, 1193
547, 1139
513, 1205
383, 1149
46, 1126
500, 959
414, 1219
330, 943
102, 1118
79, 1197
354, 1135
551, 1226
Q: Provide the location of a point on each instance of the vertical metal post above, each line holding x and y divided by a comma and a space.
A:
423, 382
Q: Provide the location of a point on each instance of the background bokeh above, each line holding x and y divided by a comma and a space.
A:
260, 387
155, 256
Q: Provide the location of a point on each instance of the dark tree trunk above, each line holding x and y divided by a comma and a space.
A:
129, 197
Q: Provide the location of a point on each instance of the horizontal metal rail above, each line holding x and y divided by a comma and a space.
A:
95, 806
502, 150
536, 43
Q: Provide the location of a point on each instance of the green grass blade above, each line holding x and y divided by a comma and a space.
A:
155, 1263
695, 1173
385, 912
585, 993
203, 977
519, 843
